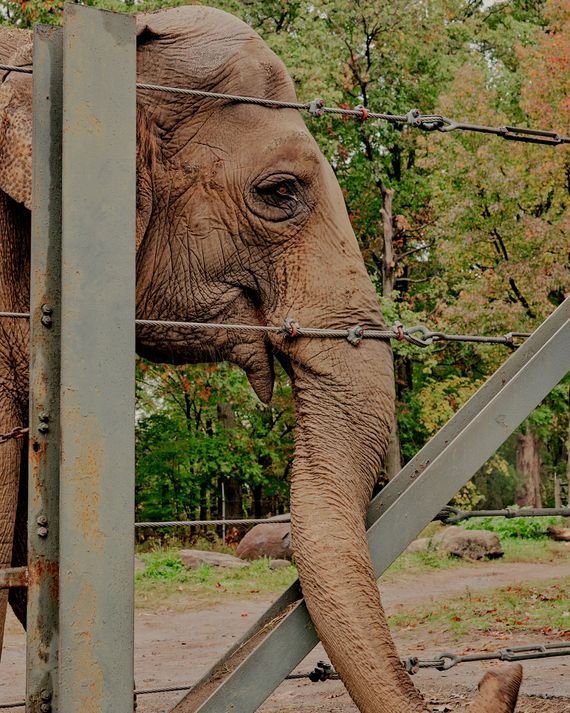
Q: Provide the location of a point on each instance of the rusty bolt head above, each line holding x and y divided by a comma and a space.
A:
45, 707
46, 320
42, 531
46, 695
43, 417
42, 520
46, 309
43, 428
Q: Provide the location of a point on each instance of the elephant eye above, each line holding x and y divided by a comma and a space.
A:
278, 192
279, 197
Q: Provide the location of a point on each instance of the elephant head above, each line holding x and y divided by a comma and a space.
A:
240, 219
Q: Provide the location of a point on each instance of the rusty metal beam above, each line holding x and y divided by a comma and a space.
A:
97, 363
45, 302
13, 577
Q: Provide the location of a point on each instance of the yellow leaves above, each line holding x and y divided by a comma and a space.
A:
440, 400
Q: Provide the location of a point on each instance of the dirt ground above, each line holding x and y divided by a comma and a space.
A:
177, 648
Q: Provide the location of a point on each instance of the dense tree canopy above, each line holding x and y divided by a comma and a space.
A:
461, 232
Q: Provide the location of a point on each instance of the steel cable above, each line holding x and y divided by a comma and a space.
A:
190, 523
324, 671
317, 108
450, 515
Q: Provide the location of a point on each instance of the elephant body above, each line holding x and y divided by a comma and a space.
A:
239, 219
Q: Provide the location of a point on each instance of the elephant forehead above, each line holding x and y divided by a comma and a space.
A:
199, 47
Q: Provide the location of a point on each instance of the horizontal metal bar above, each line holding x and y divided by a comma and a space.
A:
13, 577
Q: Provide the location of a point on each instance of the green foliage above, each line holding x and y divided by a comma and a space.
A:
525, 528
166, 583
201, 426
480, 232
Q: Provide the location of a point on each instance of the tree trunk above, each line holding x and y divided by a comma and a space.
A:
528, 464
232, 486
392, 462
568, 453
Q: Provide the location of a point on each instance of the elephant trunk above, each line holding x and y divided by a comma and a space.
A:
344, 400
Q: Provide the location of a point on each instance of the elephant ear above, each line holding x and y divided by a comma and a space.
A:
16, 120
147, 143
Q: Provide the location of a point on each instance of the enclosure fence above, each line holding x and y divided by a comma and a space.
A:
81, 434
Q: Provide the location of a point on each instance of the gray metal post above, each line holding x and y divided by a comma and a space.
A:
97, 363
43, 461
427, 483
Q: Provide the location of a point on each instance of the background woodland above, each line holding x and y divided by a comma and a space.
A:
465, 233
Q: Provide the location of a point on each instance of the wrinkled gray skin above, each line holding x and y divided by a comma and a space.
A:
240, 219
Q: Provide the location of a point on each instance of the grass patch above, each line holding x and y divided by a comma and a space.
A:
543, 607
527, 528
516, 550
422, 562
534, 550
166, 583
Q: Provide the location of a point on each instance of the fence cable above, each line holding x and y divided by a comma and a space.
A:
15, 433
317, 108
324, 671
190, 523
419, 335
450, 515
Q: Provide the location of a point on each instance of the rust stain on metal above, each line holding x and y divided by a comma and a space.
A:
13, 577
88, 671
87, 458
42, 571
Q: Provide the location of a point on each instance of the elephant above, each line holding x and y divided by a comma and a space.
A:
240, 218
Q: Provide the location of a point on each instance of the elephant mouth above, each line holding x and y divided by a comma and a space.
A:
256, 359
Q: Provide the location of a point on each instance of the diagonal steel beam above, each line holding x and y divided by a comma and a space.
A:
285, 635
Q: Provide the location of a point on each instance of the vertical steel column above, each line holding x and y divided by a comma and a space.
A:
97, 363
43, 461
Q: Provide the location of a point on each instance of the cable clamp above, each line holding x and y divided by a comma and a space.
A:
355, 335
411, 664
316, 107
291, 328
363, 112
322, 672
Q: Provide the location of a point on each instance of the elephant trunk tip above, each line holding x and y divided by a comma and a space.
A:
499, 690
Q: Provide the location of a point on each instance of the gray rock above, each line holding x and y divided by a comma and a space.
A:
419, 545
279, 564
468, 544
194, 558
273, 541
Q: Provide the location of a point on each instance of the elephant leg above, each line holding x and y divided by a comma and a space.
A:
18, 595
10, 453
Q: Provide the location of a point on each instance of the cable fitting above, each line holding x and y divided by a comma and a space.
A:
363, 113
291, 328
355, 335
322, 672
411, 664
316, 107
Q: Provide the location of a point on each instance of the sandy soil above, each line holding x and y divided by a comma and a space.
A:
176, 648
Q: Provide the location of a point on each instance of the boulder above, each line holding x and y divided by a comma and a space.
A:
273, 541
194, 558
561, 534
420, 545
469, 544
